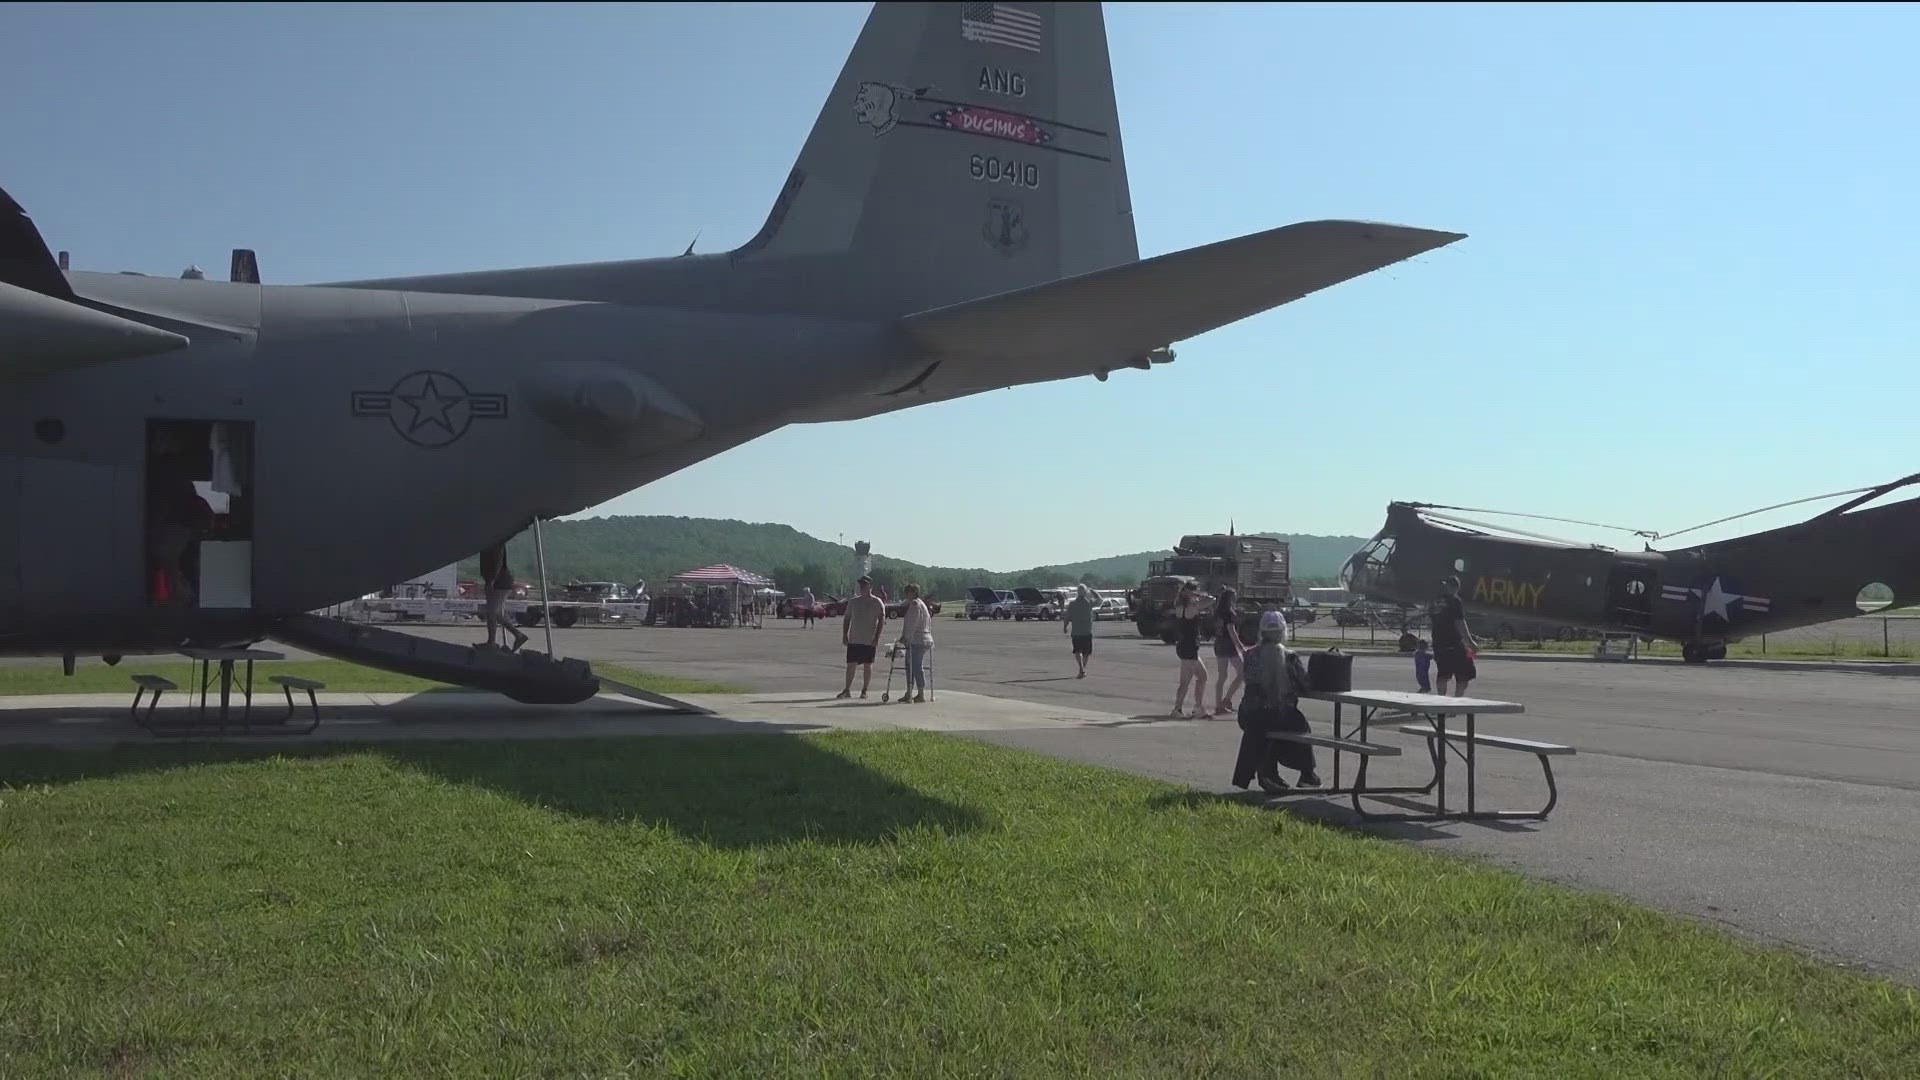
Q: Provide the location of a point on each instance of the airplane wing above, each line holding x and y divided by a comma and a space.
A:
42, 329
1125, 315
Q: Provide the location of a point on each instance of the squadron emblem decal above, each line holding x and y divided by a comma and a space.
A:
877, 104
1005, 227
430, 409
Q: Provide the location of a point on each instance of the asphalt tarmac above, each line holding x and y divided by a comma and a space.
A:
1779, 800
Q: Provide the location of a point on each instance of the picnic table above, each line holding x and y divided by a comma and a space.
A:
205, 674
1429, 712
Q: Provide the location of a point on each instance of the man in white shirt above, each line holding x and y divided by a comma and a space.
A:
860, 632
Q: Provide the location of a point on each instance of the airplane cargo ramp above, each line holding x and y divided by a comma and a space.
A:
527, 676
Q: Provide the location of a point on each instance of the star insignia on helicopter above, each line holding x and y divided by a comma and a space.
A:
1720, 598
430, 409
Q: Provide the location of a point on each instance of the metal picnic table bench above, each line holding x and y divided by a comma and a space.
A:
1431, 710
205, 675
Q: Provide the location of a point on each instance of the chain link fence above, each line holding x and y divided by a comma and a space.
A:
1866, 637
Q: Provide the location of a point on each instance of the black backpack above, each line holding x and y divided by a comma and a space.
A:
1330, 672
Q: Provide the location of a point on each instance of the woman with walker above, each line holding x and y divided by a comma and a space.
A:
916, 634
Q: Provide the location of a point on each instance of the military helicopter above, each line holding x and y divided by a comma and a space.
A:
1702, 597
187, 462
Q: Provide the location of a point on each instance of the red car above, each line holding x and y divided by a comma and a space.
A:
898, 608
795, 607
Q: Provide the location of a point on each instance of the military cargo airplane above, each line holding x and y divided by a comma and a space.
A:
197, 461
1702, 597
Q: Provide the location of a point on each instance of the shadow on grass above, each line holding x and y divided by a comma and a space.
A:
1320, 808
727, 791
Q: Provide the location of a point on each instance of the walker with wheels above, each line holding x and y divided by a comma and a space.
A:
897, 658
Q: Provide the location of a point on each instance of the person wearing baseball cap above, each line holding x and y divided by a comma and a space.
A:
860, 632
1453, 644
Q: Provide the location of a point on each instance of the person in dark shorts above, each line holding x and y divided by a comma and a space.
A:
1077, 622
860, 632
1453, 643
1228, 653
1188, 611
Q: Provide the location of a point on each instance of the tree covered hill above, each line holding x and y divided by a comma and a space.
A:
654, 548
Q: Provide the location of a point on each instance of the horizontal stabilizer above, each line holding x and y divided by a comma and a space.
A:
40, 334
1113, 317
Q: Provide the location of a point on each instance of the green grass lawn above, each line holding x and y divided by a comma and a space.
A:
848, 904
91, 676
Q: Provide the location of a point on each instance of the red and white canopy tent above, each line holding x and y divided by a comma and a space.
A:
742, 585
723, 574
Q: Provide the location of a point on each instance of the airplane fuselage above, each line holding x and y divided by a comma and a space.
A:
186, 459
391, 432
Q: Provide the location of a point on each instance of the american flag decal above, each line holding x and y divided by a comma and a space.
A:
1000, 24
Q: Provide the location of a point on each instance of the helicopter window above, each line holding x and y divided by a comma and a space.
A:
1874, 596
1378, 552
1460, 566
1369, 564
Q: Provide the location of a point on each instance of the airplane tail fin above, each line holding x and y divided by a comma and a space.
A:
966, 150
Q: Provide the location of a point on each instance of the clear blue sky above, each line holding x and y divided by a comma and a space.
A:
1688, 287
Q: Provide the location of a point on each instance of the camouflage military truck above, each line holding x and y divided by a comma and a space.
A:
1255, 567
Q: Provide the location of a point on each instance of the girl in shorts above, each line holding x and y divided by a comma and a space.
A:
1188, 610
1228, 651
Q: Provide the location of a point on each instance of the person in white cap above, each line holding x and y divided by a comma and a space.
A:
1271, 702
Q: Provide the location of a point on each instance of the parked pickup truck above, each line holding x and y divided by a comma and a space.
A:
1044, 604
986, 603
